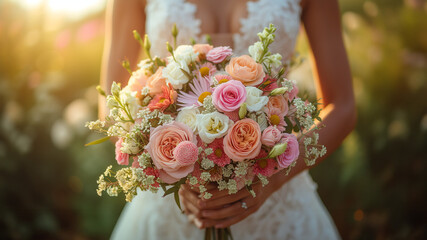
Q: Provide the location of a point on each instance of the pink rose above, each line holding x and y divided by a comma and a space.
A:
243, 140
173, 148
218, 54
228, 96
246, 70
202, 50
292, 151
121, 158
155, 82
278, 103
270, 136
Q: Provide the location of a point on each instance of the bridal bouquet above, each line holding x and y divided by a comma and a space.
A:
204, 115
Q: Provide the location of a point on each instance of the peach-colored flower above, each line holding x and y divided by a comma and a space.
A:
161, 147
243, 140
278, 103
137, 82
156, 82
202, 49
246, 70
163, 100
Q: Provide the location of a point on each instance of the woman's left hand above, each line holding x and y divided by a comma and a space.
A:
222, 209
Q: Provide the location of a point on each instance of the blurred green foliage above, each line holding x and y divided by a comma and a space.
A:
373, 186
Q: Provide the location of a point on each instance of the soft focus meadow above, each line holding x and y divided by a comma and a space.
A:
374, 186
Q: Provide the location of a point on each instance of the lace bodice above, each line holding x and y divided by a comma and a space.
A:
284, 14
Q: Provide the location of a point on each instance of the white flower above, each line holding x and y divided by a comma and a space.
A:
173, 72
256, 50
260, 118
275, 60
187, 116
129, 98
254, 99
212, 125
185, 53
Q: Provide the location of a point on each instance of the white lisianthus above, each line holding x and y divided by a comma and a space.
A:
185, 53
256, 50
187, 116
212, 125
254, 99
174, 74
275, 60
129, 98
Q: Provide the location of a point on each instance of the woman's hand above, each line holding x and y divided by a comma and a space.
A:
223, 209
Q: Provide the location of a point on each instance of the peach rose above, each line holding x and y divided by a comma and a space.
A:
243, 140
246, 70
278, 103
137, 82
162, 148
202, 50
155, 82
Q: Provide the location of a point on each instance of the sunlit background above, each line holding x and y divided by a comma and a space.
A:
50, 51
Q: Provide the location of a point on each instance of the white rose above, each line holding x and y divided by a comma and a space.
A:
254, 99
187, 116
212, 125
256, 50
173, 73
185, 53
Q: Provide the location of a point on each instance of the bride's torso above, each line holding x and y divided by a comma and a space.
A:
229, 23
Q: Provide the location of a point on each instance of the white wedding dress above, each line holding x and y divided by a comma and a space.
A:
294, 211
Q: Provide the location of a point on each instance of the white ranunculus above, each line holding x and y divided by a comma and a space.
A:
174, 74
185, 53
212, 125
187, 116
256, 50
254, 99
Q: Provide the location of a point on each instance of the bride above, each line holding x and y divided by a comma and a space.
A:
288, 207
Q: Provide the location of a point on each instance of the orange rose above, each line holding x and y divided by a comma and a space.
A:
278, 103
243, 140
246, 70
156, 82
202, 49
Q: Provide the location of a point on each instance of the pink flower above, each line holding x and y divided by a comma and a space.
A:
219, 54
265, 167
205, 70
292, 151
246, 70
293, 93
152, 172
200, 89
222, 78
122, 158
276, 118
268, 84
228, 96
156, 82
243, 140
163, 100
164, 140
270, 136
218, 156
278, 103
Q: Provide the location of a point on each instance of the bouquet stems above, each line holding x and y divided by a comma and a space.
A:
218, 234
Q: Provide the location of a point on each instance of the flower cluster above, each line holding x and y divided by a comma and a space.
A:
205, 115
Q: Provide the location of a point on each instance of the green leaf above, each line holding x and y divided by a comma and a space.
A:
290, 126
178, 203
98, 141
171, 190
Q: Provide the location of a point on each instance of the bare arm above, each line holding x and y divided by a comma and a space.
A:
122, 17
334, 86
